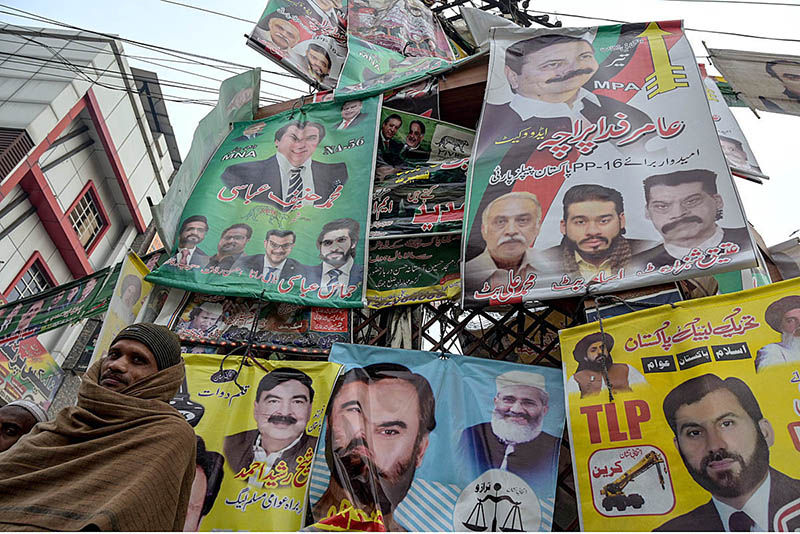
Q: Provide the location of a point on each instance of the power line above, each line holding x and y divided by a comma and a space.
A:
747, 2
209, 11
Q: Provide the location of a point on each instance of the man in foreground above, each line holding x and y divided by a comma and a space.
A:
122, 459
17, 419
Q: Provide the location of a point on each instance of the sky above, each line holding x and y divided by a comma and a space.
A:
771, 207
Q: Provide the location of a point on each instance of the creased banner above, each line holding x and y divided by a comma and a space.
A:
424, 441
596, 164
701, 428
28, 372
421, 98
257, 428
281, 210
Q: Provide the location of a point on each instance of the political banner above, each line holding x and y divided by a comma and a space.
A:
130, 293
731, 97
786, 256
424, 441
596, 165
285, 202
211, 323
421, 98
420, 175
413, 270
684, 418
28, 372
257, 428
306, 37
769, 82
238, 101
737, 151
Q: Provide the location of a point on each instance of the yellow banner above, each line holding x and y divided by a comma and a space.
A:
258, 430
701, 428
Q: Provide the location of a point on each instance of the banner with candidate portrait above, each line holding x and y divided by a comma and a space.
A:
685, 417
421, 98
282, 209
257, 428
737, 150
306, 37
424, 441
213, 323
596, 165
769, 82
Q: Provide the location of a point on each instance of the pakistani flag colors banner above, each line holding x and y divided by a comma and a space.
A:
700, 427
29, 372
424, 441
282, 209
257, 429
307, 37
737, 150
597, 163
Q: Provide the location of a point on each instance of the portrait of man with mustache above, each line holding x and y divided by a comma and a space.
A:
684, 206
724, 440
596, 368
378, 425
281, 411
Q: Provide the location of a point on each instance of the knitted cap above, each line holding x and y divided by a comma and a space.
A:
165, 345
34, 409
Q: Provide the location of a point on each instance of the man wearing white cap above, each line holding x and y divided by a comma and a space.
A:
513, 440
17, 419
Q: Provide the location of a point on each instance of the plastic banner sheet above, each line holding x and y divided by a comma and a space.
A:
413, 270
257, 428
213, 323
424, 441
307, 37
769, 82
421, 98
737, 151
596, 164
28, 371
281, 210
786, 256
700, 429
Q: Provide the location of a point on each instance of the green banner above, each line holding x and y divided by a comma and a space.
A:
281, 210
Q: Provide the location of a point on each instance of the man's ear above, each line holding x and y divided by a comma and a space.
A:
563, 226
766, 430
512, 77
622, 221
423, 446
675, 442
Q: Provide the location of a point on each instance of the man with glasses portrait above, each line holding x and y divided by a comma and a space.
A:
275, 264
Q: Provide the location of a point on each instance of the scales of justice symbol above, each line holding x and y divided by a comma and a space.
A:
477, 514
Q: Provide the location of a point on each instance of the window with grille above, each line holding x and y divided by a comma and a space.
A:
87, 219
34, 280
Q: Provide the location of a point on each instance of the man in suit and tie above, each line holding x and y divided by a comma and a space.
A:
351, 114
388, 147
337, 248
411, 149
290, 178
193, 231
231, 246
724, 440
251, 132
275, 264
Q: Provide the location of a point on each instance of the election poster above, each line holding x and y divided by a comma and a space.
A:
737, 151
421, 98
685, 417
596, 165
769, 82
420, 175
214, 323
786, 256
424, 441
413, 270
257, 428
282, 209
306, 37
28, 372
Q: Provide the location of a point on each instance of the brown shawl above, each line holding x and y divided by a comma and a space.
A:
116, 461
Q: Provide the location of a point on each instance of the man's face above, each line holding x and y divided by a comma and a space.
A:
318, 63
374, 432
390, 127
196, 500
520, 405
254, 129
283, 33
128, 361
791, 322
789, 76
414, 137
683, 212
326, 5
297, 144
336, 247
72, 292
192, 234
596, 352
592, 225
283, 412
554, 73
28, 316
87, 289
15, 422
511, 227
733, 153
351, 109
131, 295
232, 242
278, 248
204, 320
724, 451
